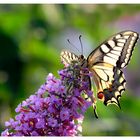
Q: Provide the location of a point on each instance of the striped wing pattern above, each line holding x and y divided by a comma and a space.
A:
106, 63
67, 58
116, 51
114, 92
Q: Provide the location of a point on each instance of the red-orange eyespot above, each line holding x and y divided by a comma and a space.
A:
100, 95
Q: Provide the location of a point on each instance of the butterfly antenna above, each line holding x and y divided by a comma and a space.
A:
81, 43
73, 45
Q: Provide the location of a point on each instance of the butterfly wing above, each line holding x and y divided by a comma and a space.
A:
68, 58
106, 62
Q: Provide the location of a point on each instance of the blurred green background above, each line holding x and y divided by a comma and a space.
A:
31, 39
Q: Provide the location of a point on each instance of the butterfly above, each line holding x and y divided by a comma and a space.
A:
106, 63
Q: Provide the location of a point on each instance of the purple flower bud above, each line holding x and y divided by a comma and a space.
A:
18, 108
52, 122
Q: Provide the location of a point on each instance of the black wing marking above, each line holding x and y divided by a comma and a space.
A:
106, 63
116, 90
116, 51
110, 82
68, 58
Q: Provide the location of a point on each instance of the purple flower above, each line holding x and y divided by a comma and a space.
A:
41, 90
52, 122
18, 108
65, 114
41, 123
5, 132
56, 109
34, 133
11, 121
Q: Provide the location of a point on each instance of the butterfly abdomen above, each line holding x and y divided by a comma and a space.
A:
112, 94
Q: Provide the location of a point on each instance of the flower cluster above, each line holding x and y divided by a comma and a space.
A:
56, 109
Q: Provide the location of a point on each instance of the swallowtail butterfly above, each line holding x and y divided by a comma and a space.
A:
106, 63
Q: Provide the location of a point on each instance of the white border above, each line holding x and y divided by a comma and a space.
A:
70, 1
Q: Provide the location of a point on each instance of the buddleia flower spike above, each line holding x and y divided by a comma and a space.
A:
56, 109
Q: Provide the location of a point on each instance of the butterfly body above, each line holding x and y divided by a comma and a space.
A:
106, 63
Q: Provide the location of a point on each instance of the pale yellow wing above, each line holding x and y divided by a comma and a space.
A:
68, 58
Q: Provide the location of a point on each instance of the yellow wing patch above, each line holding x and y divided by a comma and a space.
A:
110, 83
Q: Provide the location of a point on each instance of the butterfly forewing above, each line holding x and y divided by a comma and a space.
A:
117, 50
68, 58
131, 39
106, 62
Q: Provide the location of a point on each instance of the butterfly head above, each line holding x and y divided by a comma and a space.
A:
83, 61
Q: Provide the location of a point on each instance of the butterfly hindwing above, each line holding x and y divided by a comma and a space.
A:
106, 62
117, 87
